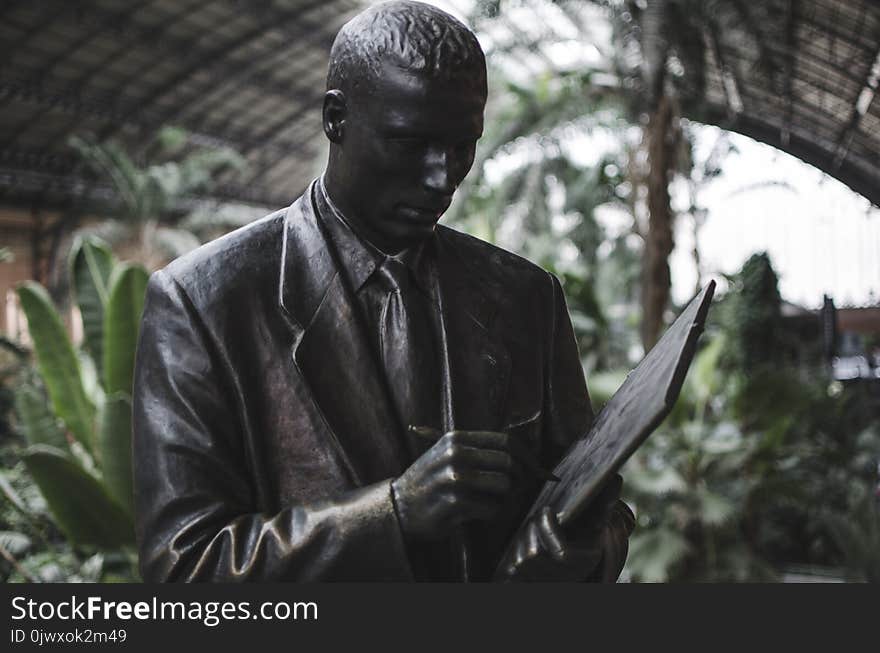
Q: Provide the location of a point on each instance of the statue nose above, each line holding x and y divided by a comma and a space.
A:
438, 172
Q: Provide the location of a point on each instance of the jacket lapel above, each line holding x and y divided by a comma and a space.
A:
478, 363
332, 352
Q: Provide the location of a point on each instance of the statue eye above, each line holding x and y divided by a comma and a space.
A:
410, 142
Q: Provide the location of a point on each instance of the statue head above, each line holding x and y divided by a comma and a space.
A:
403, 110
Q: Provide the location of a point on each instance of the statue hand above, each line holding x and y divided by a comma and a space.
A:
594, 549
465, 476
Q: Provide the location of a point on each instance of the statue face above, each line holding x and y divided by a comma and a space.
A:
406, 144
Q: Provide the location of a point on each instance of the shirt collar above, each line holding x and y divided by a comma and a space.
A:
358, 257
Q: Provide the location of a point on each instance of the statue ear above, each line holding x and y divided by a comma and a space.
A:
334, 115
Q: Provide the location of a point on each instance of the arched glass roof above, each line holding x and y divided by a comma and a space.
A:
245, 74
801, 75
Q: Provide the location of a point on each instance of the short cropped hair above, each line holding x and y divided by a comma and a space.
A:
413, 35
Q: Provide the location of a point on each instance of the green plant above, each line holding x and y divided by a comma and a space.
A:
694, 484
13, 361
79, 442
858, 537
153, 189
33, 549
762, 465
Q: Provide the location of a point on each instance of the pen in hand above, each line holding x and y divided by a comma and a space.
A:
432, 434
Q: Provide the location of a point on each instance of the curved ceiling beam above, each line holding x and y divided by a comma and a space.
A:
53, 12
807, 20
214, 63
300, 84
74, 104
323, 39
854, 176
270, 159
141, 35
820, 65
860, 107
80, 106
119, 21
308, 96
64, 161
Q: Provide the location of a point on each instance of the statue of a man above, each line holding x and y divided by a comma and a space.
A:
345, 390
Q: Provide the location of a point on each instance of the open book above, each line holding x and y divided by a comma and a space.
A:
630, 416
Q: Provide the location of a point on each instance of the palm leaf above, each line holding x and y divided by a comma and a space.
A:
58, 364
12, 496
115, 444
78, 502
91, 263
110, 161
121, 324
37, 422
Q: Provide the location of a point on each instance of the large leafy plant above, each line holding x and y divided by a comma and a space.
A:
79, 441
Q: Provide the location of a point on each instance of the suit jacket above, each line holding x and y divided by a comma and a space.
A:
264, 437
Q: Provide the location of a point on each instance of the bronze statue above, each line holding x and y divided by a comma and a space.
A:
345, 390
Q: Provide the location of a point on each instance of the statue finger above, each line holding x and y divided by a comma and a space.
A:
472, 483
488, 459
579, 557
551, 535
533, 541
466, 508
481, 439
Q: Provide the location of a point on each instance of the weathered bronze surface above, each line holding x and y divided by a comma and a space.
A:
636, 409
279, 367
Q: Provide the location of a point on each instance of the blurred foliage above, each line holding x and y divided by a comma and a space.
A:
762, 465
532, 192
752, 316
33, 549
857, 535
560, 173
155, 190
13, 365
68, 507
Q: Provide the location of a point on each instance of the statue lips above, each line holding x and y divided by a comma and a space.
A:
430, 213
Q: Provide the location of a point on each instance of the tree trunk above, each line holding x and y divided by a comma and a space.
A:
661, 138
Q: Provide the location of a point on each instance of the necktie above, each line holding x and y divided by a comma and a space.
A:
408, 348
411, 361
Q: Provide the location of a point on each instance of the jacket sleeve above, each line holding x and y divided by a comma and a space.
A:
568, 413
197, 516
